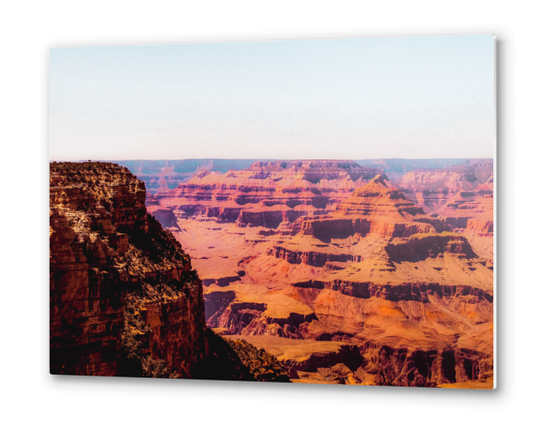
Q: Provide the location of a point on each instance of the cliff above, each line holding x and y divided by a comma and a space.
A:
124, 299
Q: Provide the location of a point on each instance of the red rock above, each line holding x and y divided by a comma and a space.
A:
124, 299
306, 251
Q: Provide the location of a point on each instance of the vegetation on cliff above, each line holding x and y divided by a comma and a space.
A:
238, 360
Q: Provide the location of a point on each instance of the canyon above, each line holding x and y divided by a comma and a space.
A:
310, 271
342, 274
124, 298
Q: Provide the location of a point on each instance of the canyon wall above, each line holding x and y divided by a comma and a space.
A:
124, 298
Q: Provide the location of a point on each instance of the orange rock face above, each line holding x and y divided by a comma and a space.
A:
343, 275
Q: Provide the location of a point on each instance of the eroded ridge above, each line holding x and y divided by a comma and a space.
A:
344, 270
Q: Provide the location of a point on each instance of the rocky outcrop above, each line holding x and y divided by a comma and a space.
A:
481, 226
326, 229
417, 292
251, 319
268, 218
348, 355
371, 363
316, 259
315, 170
377, 208
425, 368
166, 217
422, 246
124, 299
215, 305
379, 197
239, 360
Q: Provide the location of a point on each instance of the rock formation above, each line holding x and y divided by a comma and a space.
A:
124, 299
461, 196
164, 175
267, 193
343, 275
432, 188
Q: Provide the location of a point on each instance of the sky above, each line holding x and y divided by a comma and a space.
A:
366, 98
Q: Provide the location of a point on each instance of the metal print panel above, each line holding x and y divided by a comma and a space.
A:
298, 211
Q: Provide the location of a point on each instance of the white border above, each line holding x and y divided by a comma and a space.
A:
29, 29
495, 193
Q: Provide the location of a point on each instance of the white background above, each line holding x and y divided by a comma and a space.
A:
29, 29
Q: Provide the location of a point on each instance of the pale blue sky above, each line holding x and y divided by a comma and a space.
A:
412, 97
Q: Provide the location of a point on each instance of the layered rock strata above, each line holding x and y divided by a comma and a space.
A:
461, 196
160, 176
332, 263
124, 299
266, 194
464, 191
